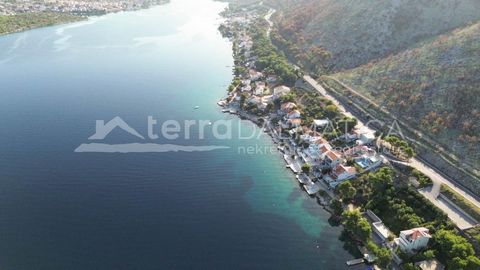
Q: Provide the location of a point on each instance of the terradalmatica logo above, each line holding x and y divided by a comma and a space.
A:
170, 130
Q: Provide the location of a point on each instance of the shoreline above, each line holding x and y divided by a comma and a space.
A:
72, 18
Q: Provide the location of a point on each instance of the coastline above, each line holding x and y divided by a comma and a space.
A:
62, 18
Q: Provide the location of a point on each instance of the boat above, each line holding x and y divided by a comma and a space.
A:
196, 107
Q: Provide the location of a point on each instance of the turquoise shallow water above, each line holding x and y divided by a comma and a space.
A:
177, 210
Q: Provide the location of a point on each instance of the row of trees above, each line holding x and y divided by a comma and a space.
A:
270, 61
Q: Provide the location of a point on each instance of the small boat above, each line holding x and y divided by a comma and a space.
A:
196, 107
209, 123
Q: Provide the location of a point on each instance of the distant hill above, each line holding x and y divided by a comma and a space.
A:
435, 86
357, 32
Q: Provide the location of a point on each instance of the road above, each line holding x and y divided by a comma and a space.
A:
437, 178
270, 23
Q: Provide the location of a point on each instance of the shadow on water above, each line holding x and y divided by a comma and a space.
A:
349, 244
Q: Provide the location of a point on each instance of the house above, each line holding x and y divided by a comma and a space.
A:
280, 91
413, 240
267, 99
316, 152
296, 122
246, 88
369, 161
246, 82
430, 265
332, 159
380, 230
364, 135
259, 88
294, 114
255, 75
321, 123
287, 107
342, 173
272, 79
339, 174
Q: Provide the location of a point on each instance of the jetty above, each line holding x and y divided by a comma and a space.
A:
311, 188
354, 262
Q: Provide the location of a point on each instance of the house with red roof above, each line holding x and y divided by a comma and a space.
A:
413, 240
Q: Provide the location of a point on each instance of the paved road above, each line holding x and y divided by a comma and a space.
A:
436, 177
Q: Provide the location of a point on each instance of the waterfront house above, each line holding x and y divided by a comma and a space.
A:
246, 88
332, 158
380, 230
315, 152
413, 240
340, 173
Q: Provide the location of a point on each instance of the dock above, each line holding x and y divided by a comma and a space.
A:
303, 179
311, 188
354, 262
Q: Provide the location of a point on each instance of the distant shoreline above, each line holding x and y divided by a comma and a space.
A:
46, 19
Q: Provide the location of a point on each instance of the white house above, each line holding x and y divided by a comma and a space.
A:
339, 174
280, 91
413, 240
259, 88
255, 75
321, 123
369, 161
342, 173
366, 138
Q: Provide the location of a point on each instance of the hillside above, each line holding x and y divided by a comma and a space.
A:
25, 21
356, 32
435, 87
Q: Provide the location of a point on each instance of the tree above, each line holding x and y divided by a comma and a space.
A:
381, 180
355, 223
409, 152
384, 257
306, 168
456, 250
337, 207
346, 190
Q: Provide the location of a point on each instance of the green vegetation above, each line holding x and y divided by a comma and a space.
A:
314, 106
461, 202
355, 223
384, 255
21, 22
346, 191
456, 251
400, 147
306, 168
270, 60
433, 87
424, 180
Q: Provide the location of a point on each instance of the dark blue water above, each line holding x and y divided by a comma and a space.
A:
177, 210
